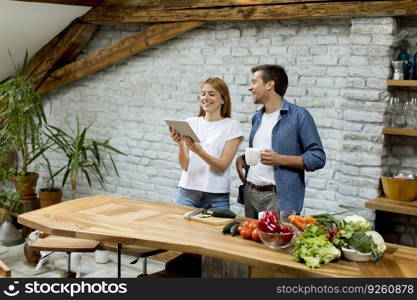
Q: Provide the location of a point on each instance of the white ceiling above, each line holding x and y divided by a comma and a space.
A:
25, 25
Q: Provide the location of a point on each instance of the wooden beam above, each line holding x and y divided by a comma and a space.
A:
151, 36
60, 51
92, 3
133, 3
186, 4
324, 10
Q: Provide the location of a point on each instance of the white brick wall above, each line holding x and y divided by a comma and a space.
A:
332, 70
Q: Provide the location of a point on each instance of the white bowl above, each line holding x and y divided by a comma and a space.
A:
354, 255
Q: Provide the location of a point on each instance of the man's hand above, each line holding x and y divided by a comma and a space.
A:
240, 167
270, 158
196, 148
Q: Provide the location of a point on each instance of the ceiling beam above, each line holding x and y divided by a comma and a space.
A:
186, 4
60, 51
325, 10
92, 3
151, 36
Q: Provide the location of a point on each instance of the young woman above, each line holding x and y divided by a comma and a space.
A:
206, 166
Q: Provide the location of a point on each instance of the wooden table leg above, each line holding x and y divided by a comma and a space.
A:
119, 260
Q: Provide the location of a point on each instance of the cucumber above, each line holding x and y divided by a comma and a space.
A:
223, 214
227, 227
233, 230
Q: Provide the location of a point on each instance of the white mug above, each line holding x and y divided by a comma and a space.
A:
252, 156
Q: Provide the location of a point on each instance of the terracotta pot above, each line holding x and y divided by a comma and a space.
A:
3, 212
48, 198
26, 185
32, 256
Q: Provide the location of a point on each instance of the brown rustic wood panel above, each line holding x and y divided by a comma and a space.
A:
186, 4
60, 51
162, 226
4, 270
151, 36
133, 3
92, 3
218, 268
328, 10
39, 57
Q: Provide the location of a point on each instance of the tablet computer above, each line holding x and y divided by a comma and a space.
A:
183, 128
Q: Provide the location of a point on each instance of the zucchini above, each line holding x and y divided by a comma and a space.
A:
227, 227
233, 230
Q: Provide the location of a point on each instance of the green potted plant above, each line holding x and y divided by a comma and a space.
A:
83, 155
21, 118
9, 205
50, 194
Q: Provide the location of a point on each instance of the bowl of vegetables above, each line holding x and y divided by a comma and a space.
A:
274, 234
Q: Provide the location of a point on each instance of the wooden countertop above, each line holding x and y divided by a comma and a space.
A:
162, 226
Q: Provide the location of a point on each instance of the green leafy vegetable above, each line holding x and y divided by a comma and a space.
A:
327, 220
314, 248
348, 226
361, 242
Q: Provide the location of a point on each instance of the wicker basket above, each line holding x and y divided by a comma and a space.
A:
399, 189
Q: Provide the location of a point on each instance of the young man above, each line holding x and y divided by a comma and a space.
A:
290, 144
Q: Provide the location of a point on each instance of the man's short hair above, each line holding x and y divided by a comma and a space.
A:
277, 74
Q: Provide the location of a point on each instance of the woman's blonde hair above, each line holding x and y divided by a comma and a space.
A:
221, 87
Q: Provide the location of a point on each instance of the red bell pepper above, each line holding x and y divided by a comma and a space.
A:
269, 222
272, 216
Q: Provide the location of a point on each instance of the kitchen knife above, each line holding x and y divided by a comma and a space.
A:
197, 212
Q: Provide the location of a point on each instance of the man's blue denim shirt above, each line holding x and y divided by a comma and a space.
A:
294, 134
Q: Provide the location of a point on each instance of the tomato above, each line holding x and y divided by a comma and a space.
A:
246, 224
253, 225
239, 229
245, 233
255, 235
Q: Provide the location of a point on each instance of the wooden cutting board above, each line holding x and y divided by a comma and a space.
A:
209, 220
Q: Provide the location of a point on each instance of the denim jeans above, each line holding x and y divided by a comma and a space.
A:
218, 201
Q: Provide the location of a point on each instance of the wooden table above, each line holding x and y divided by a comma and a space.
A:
162, 226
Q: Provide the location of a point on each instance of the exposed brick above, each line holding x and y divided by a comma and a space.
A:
336, 70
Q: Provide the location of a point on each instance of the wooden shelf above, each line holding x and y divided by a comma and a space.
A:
399, 131
386, 204
403, 83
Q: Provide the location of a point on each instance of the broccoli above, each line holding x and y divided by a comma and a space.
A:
361, 242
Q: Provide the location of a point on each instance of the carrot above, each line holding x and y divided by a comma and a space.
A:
311, 220
291, 217
298, 222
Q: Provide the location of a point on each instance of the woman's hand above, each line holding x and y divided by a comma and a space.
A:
240, 167
196, 148
175, 136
